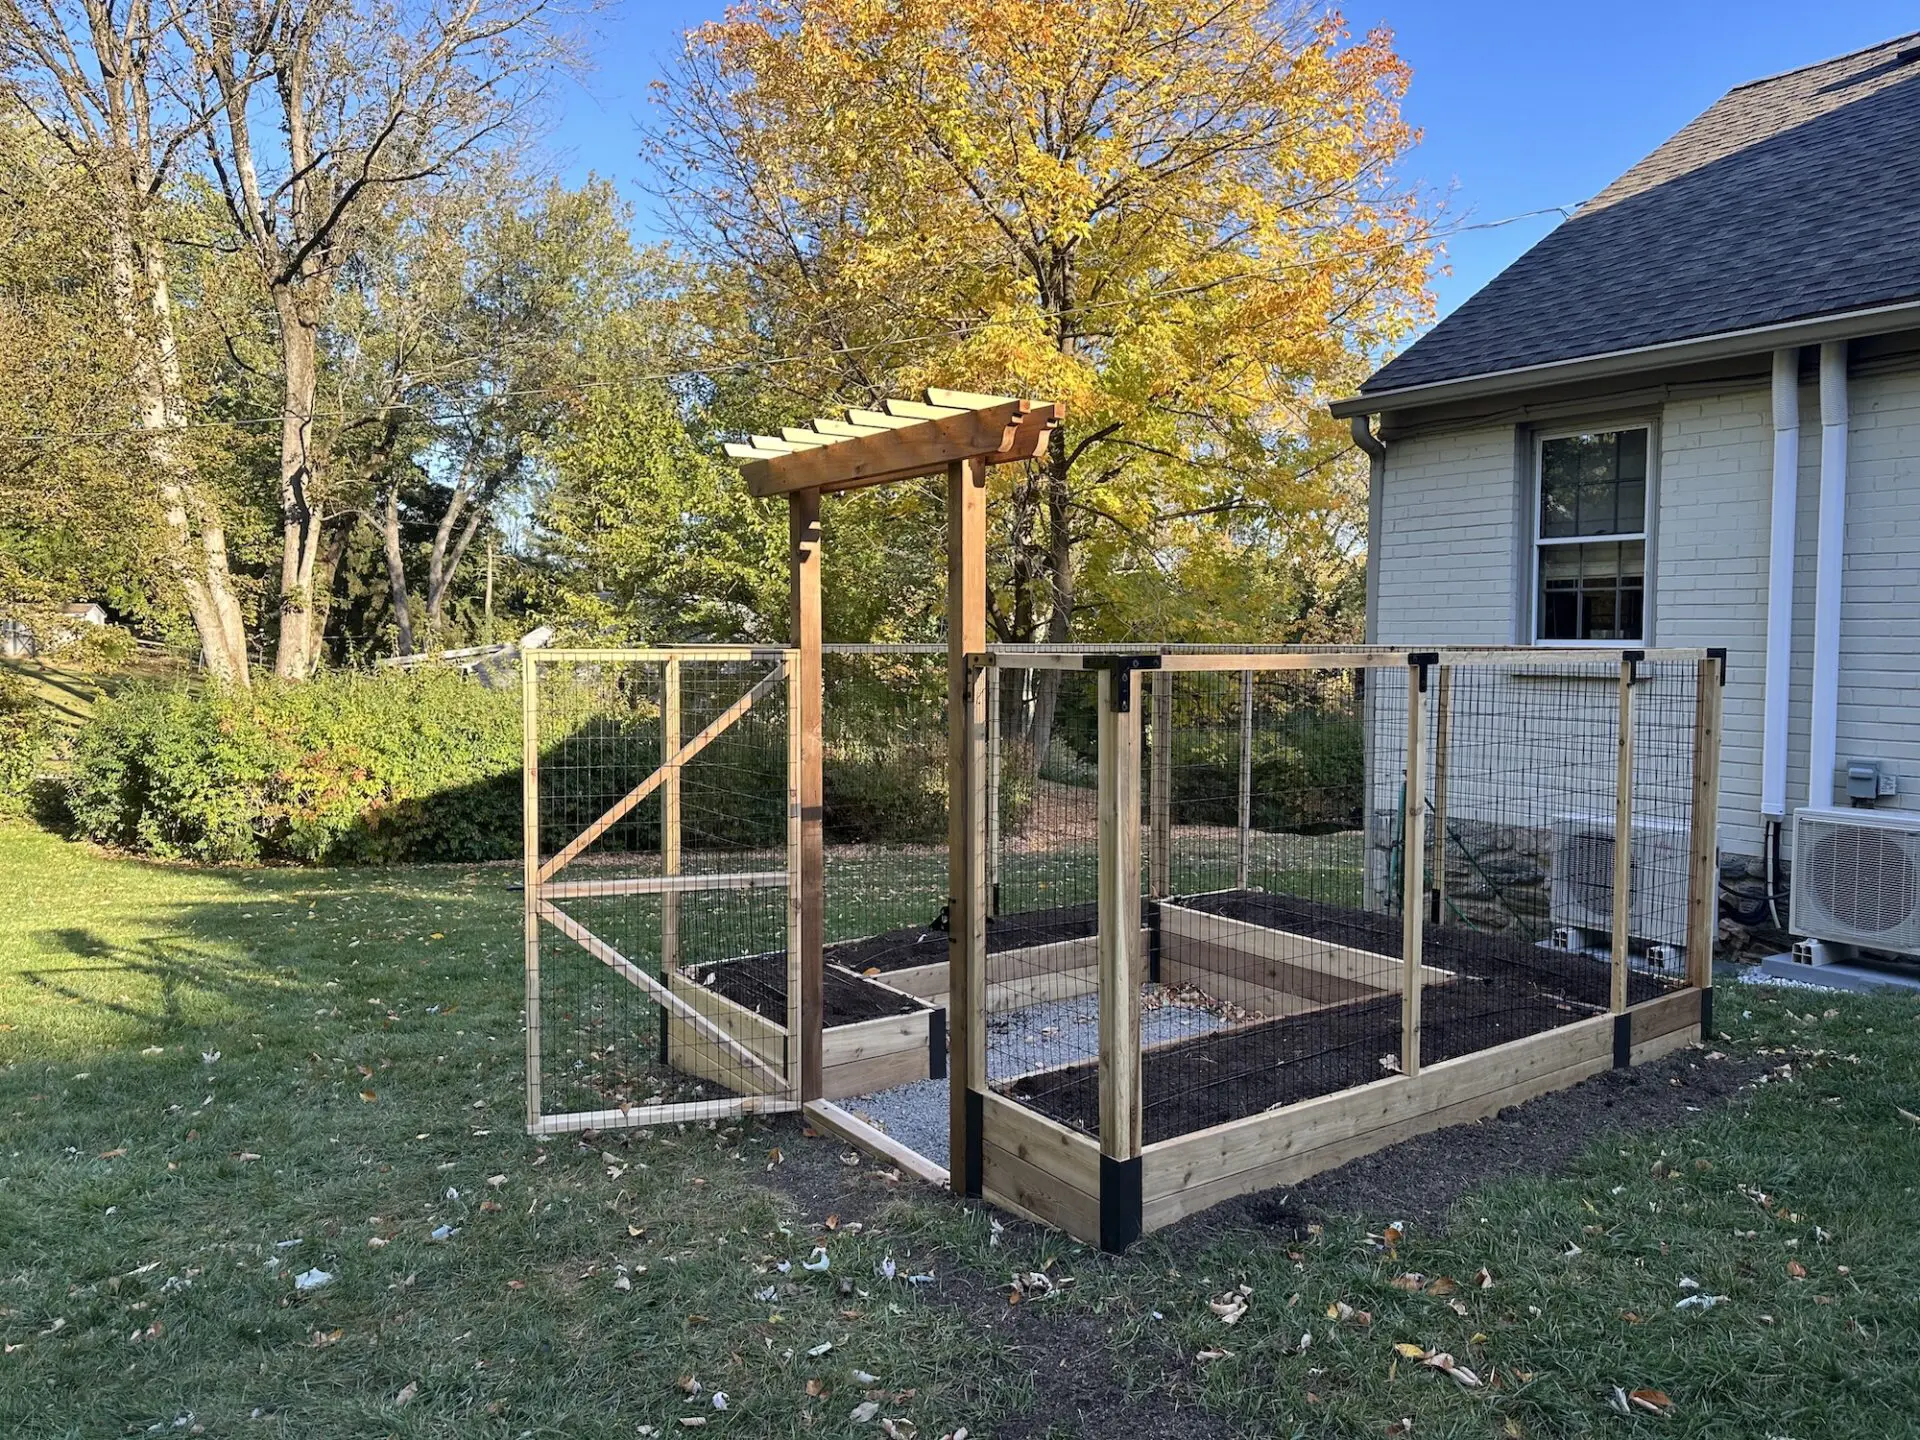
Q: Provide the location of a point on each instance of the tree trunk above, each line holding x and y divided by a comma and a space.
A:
396, 571
197, 543
299, 517
1059, 566
339, 531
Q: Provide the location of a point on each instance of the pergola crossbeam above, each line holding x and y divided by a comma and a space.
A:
906, 440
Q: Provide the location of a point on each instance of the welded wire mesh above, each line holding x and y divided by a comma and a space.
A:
618, 818
1042, 942
1276, 863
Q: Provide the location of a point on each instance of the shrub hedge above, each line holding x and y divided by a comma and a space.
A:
354, 768
26, 740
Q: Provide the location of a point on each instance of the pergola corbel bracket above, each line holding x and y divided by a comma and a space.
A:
905, 440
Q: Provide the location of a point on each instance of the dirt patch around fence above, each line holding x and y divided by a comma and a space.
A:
1502, 990
759, 982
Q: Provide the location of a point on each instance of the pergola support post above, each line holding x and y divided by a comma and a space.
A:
966, 828
805, 968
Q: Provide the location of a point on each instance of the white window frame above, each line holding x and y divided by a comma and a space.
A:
1536, 542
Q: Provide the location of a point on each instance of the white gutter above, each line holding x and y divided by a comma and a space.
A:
1780, 556
1829, 573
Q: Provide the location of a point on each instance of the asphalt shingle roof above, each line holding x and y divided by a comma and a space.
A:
1792, 197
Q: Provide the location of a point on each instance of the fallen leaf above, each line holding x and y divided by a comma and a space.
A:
113, 1154
1796, 1270
1441, 1285
865, 1411
1229, 1307
816, 1390
1483, 1278
1653, 1401
1411, 1281
692, 1422
1444, 1362
407, 1392
1412, 1352
368, 1096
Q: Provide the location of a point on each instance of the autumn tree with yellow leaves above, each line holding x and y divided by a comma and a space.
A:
1178, 217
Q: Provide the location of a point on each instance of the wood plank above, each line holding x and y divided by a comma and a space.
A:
1053, 1147
1119, 909
1703, 869
966, 836
852, 1128
804, 987
530, 874
668, 885
1263, 943
1679, 1011
1281, 1146
1248, 994
670, 817
1442, 752
924, 448
1652, 1048
1028, 1191
646, 787
1008, 995
1165, 1209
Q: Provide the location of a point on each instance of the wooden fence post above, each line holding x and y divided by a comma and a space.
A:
530, 871
670, 817
1623, 840
1703, 874
805, 971
966, 828
1413, 846
1118, 904
1243, 857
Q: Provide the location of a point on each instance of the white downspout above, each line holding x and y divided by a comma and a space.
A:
1829, 573
1780, 555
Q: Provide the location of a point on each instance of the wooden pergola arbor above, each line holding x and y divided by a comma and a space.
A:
959, 434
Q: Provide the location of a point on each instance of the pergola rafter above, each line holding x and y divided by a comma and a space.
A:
907, 439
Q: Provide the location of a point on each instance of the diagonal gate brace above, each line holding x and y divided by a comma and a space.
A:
632, 973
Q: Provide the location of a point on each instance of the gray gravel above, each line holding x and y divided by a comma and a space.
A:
1055, 1032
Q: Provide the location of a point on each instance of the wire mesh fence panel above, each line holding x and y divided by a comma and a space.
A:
1285, 836
662, 839
1042, 931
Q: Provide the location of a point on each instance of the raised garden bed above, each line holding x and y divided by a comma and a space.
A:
873, 1036
1326, 979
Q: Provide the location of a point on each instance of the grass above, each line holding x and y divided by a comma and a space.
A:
143, 1283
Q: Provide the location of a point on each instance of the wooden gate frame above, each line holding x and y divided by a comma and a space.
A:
542, 888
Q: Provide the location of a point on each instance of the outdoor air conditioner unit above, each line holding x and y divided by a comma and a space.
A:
1856, 878
1582, 894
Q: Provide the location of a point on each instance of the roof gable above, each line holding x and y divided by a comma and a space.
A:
1792, 197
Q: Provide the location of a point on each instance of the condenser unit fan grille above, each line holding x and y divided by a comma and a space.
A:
1586, 861
1867, 880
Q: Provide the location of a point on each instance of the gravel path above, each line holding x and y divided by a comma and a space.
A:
1055, 1032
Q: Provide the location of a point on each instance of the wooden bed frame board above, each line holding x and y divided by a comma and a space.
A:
1058, 970
1048, 1172
1277, 972
1040, 1169
1282, 1147
856, 1059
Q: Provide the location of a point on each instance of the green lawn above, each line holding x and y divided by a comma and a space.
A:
367, 1089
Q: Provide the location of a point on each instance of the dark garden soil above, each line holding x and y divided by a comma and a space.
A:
927, 945
759, 982
1504, 990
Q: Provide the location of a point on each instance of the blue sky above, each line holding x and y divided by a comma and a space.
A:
1524, 105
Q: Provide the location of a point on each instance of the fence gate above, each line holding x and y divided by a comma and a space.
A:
661, 838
